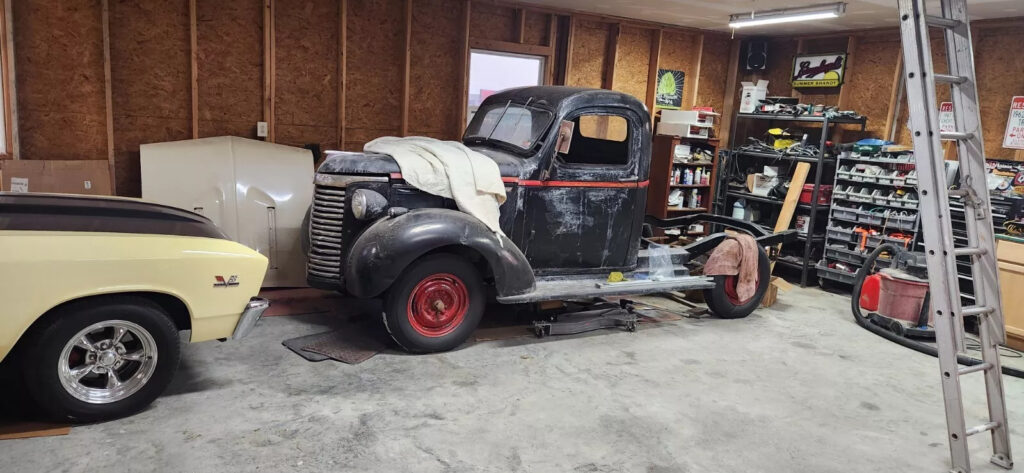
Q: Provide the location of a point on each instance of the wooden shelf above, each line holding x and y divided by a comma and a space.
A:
673, 208
663, 165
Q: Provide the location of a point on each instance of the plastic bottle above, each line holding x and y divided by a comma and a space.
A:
704, 179
675, 176
739, 209
688, 177
694, 199
697, 175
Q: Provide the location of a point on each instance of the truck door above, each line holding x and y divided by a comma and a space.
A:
583, 212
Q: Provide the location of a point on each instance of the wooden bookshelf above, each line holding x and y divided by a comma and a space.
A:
662, 166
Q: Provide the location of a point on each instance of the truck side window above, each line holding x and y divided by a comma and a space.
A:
599, 139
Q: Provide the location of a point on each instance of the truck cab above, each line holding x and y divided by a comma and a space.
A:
575, 164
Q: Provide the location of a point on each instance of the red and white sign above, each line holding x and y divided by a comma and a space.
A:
947, 123
1014, 136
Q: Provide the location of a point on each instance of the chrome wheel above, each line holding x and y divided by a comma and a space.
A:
107, 361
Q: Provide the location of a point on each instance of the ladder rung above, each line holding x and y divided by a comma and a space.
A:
956, 135
978, 367
941, 21
975, 310
982, 428
969, 251
950, 79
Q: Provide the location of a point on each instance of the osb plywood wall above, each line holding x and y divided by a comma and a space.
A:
60, 81
874, 58
703, 57
329, 72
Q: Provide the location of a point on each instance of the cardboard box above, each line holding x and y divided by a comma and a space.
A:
90, 177
752, 95
761, 184
685, 130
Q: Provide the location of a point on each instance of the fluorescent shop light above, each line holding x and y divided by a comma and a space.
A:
786, 15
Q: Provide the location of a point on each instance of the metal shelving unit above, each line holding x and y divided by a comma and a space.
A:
851, 210
814, 239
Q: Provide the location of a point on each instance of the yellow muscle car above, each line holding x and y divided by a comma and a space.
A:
94, 290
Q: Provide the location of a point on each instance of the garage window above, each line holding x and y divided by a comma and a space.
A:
494, 71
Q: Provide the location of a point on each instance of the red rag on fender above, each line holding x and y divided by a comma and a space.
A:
736, 255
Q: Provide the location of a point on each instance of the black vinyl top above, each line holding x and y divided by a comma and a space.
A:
74, 213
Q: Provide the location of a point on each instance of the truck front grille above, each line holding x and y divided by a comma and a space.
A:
325, 224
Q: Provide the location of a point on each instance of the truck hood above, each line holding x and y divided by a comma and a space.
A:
73, 213
349, 163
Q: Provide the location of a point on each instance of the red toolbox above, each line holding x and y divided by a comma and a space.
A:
824, 194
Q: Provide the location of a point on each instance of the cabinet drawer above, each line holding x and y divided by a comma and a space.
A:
1010, 252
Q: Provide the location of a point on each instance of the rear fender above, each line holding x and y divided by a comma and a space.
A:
385, 249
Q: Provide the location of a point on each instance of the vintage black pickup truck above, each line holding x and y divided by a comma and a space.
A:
575, 163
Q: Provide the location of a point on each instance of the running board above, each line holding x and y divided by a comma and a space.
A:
588, 287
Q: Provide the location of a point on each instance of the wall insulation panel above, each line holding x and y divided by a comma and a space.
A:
434, 69
589, 46
230, 36
306, 83
632, 62
376, 54
60, 82
151, 81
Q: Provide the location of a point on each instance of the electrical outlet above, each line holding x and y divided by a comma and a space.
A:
261, 129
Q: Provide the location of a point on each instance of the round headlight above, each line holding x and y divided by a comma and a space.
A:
359, 204
367, 204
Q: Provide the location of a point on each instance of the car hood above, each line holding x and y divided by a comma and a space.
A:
79, 213
349, 163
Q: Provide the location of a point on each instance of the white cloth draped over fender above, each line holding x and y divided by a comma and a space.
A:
448, 169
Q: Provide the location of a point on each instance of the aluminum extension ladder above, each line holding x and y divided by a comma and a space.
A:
941, 254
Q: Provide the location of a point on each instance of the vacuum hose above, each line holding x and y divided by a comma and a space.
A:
863, 321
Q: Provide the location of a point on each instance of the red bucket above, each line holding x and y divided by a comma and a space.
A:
901, 297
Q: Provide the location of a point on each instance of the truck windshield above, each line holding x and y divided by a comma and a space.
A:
514, 124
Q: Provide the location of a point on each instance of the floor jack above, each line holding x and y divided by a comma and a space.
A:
603, 314
570, 318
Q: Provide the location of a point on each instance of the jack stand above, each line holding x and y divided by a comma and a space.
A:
604, 315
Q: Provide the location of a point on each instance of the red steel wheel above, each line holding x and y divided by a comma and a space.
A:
438, 305
731, 282
722, 299
435, 304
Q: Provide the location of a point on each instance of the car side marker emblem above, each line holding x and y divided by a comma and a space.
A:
230, 282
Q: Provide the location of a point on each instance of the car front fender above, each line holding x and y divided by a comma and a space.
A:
385, 249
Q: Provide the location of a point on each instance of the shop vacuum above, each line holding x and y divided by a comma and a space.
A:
897, 300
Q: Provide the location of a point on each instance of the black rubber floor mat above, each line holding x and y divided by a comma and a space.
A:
352, 344
296, 344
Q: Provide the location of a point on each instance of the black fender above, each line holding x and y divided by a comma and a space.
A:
383, 251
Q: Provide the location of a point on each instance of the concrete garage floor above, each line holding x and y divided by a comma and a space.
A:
795, 388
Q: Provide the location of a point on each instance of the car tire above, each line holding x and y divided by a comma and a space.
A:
722, 300
131, 337
435, 305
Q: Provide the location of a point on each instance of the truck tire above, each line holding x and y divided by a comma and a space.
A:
722, 299
101, 358
435, 305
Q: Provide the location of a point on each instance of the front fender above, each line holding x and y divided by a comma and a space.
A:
386, 248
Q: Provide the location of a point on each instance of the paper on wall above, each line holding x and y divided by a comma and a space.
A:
19, 184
